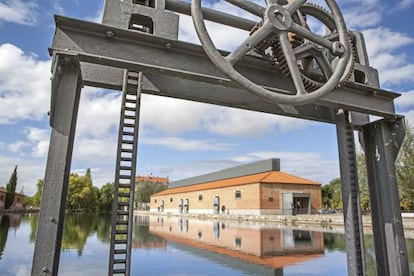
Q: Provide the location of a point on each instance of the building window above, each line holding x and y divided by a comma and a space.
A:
155, 201
1, 197
200, 235
238, 242
237, 194
270, 199
200, 197
171, 199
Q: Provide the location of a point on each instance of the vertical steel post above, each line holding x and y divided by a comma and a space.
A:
382, 141
354, 236
66, 86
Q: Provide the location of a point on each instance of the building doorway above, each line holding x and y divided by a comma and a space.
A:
301, 204
216, 205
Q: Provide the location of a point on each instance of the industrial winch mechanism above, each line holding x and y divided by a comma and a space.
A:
317, 59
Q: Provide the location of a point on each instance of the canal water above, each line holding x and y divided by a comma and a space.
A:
180, 246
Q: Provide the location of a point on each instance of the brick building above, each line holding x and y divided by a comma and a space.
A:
18, 200
151, 179
258, 188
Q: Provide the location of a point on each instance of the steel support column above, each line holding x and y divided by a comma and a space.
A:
354, 236
382, 141
66, 86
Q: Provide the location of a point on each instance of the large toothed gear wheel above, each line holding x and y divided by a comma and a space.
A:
280, 21
316, 63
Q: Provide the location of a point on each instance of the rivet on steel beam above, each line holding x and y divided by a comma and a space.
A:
45, 270
168, 45
109, 34
52, 219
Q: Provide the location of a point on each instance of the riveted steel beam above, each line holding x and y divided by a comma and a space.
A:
182, 60
382, 141
66, 86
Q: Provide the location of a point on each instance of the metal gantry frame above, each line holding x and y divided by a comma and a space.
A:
141, 36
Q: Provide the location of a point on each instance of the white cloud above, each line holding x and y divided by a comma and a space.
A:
39, 138
191, 169
20, 12
406, 99
28, 172
243, 123
404, 4
361, 18
24, 85
382, 46
173, 116
98, 112
17, 146
170, 115
398, 74
382, 39
310, 165
410, 118
182, 144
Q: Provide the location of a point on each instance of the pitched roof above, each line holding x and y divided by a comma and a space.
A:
152, 179
273, 177
271, 261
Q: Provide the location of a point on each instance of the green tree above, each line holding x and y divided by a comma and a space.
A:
4, 232
405, 170
327, 195
363, 181
106, 198
145, 189
82, 196
37, 197
11, 189
331, 194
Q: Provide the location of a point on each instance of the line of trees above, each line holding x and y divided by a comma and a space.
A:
145, 189
404, 165
82, 195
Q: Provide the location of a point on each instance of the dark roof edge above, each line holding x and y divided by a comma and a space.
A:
261, 166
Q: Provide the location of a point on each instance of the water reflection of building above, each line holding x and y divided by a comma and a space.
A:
142, 238
271, 247
258, 188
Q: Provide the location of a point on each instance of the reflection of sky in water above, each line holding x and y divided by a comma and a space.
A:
172, 258
173, 261
18, 252
94, 259
332, 263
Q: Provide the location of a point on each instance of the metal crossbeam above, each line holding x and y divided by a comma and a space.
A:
182, 60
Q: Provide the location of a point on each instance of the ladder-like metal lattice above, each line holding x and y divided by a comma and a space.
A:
350, 195
123, 206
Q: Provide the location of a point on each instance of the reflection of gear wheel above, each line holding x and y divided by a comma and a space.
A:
311, 82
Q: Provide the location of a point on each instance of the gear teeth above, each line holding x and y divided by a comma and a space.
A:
326, 18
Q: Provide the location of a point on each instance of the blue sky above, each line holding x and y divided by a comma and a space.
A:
177, 138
